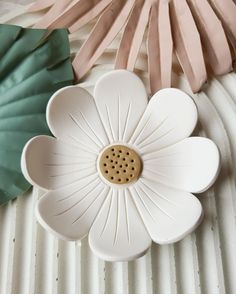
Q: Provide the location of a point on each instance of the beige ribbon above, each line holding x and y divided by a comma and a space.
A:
41, 4
72, 14
194, 25
133, 35
159, 47
53, 13
226, 11
213, 36
107, 27
188, 44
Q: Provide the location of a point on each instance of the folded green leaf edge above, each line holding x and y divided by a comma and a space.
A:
34, 63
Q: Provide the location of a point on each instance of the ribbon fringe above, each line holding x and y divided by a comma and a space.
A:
195, 31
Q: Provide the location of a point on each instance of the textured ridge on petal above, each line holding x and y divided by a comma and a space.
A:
118, 232
169, 214
69, 212
72, 116
121, 99
50, 163
170, 116
191, 165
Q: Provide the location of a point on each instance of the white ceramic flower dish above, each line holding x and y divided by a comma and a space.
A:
120, 169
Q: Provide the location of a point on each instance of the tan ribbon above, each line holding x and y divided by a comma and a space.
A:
107, 27
226, 10
41, 4
72, 14
160, 47
133, 35
181, 20
53, 13
188, 44
212, 36
80, 13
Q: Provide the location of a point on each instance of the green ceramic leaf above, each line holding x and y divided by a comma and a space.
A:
33, 65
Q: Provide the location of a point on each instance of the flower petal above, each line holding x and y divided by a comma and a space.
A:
169, 214
73, 117
171, 116
69, 213
50, 163
121, 99
191, 165
118, 232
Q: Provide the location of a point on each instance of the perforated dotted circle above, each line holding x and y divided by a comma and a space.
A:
120, 164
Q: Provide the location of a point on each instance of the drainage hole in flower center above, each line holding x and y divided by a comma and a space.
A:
120, 164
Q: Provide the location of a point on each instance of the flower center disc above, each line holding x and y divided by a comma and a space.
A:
120, 164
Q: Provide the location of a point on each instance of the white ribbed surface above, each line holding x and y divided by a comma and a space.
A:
33, 261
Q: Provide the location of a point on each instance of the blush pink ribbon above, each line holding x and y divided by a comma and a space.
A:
199, 32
